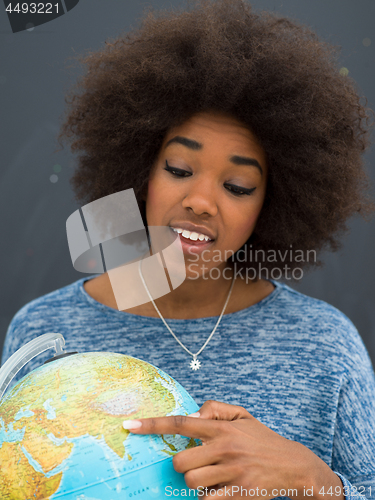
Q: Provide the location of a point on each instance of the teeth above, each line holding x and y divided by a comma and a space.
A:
191, 235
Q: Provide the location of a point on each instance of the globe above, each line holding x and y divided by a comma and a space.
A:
61, 432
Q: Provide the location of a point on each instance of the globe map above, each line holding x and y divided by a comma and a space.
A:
61, 433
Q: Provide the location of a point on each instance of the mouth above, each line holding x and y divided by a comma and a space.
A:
190, 246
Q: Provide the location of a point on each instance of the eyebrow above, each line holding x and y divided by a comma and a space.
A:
196, 146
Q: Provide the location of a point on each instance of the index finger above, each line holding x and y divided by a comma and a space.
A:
175, 424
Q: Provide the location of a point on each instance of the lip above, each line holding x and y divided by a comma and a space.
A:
194, 228
189, 246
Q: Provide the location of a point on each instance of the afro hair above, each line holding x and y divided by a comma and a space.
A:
271, 73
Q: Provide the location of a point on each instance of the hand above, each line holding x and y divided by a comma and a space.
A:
239, 451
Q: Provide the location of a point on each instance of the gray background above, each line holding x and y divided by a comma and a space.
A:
35, 74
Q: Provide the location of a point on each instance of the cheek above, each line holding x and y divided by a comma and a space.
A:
158, 201
246, 226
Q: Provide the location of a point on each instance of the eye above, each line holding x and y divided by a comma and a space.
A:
238, 191
235, 190
178, 172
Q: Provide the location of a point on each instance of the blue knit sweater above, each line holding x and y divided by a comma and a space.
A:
295, 363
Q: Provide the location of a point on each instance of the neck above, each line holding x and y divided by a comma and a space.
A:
188, 301
196, 297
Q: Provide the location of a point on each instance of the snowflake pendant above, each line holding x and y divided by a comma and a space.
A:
195, 364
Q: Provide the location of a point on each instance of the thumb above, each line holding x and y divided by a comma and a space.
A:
214, 410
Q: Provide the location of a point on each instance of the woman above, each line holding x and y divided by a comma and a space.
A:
237, 131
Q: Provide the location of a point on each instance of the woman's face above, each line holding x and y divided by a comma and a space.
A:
211, 173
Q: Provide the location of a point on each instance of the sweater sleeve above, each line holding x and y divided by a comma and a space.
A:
13, 340
22, 330
353, 455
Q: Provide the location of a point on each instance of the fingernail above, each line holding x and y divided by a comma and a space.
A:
131, 424
195, 415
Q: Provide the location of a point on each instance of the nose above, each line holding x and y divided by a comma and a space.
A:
201, 198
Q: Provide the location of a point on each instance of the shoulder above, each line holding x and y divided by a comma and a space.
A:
328, 329
42, 315
57, 302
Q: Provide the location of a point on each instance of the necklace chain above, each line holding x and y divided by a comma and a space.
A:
195, 364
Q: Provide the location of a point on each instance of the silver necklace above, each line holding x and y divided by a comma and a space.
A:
194, 363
